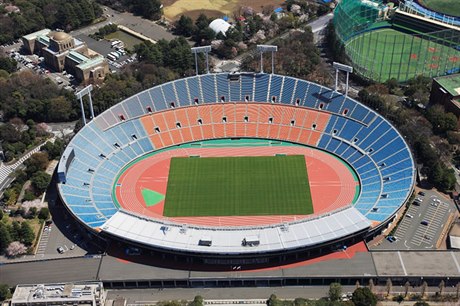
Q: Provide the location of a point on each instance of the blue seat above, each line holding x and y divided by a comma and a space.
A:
208, 86
287, 94
275, 87
261, 90
247, 86
134, 107
169, 94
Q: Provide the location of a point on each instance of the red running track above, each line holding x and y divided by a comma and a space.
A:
332, 184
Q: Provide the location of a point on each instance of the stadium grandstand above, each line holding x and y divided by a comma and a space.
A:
383, 42
236, 114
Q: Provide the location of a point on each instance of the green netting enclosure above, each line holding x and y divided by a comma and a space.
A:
383, 43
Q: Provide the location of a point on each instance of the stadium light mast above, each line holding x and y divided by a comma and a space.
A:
267, 48
205, 50
85, 91
345, 68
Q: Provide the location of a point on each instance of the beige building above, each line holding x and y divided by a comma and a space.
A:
62, 52
82, 294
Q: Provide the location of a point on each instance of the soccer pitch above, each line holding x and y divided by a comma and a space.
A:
388, 53
238, 186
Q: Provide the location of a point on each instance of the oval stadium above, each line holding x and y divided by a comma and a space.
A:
243, 167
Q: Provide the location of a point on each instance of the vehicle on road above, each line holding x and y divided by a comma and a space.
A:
391, 238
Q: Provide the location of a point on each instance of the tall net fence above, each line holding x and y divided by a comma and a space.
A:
380, 49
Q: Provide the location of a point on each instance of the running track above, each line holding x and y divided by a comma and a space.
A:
331, 182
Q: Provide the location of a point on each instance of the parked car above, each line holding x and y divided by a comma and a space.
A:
60, 250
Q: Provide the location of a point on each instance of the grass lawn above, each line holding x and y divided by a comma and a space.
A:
238, 186
450, 7
389, 53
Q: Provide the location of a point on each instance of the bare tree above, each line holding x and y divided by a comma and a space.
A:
442, 284
371, 285
458, 290
423, 289
389, 286
357, 284
406, 288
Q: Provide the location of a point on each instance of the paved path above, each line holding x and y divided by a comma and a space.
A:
6, 170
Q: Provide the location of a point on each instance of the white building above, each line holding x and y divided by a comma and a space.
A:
220, 26
83, 294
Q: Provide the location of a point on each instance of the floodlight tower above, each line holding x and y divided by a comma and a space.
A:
267, 48
205, 50
85, 91
345, 68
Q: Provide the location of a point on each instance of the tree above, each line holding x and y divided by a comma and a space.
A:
364, 297
335, 291
37, 162
371, 285
197, 301
44, 213
5, 238
184, 26
441, 286
441, 121
15, 249
8, 64
406, 288
389, 286
421, 303
423, 289
59, 109
40, 181
26, 233
5, 292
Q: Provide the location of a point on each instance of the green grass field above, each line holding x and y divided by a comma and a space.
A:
388, 53
238, 186
450, 7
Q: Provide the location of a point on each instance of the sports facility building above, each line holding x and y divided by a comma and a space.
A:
382, 42
237, 168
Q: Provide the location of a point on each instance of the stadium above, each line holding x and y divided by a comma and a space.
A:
237, 168
382, 42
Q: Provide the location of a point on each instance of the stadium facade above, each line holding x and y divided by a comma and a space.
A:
263, 106
382, 42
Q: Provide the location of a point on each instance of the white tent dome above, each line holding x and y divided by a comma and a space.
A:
219, 26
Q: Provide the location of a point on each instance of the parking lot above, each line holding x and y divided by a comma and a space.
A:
422, 225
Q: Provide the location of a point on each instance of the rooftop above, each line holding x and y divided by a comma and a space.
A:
91, 62
38, 33
451, 83
77, 57
82, 294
